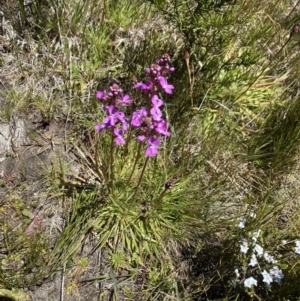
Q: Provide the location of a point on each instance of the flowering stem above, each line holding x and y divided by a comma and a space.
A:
127, 141
141, 177
160, 199
111, 176
98, 169
135, 161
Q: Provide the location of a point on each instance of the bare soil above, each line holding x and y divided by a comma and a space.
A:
30, 211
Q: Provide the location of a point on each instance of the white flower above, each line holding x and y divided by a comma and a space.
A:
269, 258
284, 242
253, 261
241, 224
267, 278
244, 247
249, 282
276, 274
258, 250
255, 235
233, 283
237, 274
297, 249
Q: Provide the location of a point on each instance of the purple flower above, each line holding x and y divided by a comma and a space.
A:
120, 116
161, 128
165, 86
113, 117
119, 136
144, 86
141, 138
164, 60
125, 125
152, 150
154, 70
156, 102
119, 140
169, 69
99, 127
101, 95
164, 63
156, 114
149, 119
115, 90
138, 116
124, 100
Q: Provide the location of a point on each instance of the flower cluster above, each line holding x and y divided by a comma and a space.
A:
256, 253
115, 119
148, 120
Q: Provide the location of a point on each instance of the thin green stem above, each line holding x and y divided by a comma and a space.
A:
111, 167
127, 142
136, 160
101, 173
160, 198
141, 177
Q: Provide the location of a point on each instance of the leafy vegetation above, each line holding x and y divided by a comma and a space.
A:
189, 223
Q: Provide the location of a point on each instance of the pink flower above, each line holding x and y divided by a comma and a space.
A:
152, 150
100, 95
99, 127
156, 114
165, 86
144, 86
156, 102
138, 116
161, 128
124, 100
